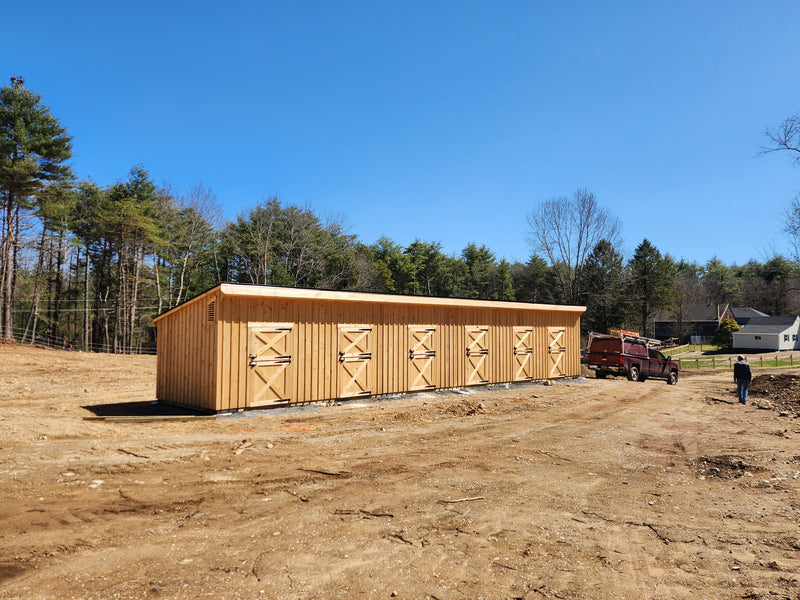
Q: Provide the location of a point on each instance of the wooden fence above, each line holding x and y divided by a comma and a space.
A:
716, 362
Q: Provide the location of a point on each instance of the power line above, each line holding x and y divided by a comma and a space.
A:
44, 311
62, 343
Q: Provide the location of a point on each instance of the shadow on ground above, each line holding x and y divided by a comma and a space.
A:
140, 409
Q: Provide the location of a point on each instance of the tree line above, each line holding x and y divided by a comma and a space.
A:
90, 266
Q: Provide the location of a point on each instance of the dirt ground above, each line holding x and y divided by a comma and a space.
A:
582, 489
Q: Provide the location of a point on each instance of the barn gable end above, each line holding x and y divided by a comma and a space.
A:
243, 346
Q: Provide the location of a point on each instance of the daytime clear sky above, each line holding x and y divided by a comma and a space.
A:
445, 121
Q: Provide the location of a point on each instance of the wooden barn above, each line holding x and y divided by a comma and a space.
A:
247, 346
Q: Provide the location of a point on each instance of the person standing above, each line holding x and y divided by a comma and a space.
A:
742, 377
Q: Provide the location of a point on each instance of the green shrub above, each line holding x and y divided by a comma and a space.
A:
724, 335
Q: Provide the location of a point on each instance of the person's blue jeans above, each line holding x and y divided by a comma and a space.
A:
742, 386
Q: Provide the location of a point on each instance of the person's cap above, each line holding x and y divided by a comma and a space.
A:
740, 357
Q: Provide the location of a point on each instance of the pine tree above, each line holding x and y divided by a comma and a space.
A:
604, 289
535, 282
653, 280
33, 148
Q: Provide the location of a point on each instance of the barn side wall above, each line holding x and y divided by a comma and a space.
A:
315, 369
187, 363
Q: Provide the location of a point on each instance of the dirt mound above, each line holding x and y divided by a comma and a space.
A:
783, 390
461, 409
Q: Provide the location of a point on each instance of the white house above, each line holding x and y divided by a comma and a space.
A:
769, 333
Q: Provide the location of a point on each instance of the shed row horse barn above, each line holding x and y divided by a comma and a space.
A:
246, 346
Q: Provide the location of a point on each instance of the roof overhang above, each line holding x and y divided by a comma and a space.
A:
266, 291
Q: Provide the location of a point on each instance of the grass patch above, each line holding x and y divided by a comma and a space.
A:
686, 348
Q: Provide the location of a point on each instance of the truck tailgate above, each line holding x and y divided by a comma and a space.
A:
603, 359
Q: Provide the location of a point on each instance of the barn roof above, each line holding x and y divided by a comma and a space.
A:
267, 291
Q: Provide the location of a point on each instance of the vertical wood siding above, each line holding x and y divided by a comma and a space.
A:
205, 364
188, 368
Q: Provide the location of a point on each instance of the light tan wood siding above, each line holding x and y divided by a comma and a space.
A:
187, 365
205, 363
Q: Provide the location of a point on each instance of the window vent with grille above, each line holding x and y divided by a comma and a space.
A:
212, 311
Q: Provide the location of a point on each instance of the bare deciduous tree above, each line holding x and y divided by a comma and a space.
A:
792, 226
187, 228
565, 231
785, 137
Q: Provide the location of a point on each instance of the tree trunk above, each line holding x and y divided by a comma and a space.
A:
645, 310
138, 258
14, 267
59, 287
49, 284
157, 276
33, 316
86, 302
118, 300
8, 271
184, 269
107, 345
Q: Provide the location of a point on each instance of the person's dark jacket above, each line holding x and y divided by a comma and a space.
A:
741, 371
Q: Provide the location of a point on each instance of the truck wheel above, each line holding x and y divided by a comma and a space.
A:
600, 374
673, 378
633, 374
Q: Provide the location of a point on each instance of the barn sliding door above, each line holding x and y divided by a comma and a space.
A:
477, 355
269, 368
421, 358
523, 353
556, 351
355, 359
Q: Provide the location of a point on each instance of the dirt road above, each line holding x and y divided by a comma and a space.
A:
583, 489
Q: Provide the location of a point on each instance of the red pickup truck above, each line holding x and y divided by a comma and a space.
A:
629, 355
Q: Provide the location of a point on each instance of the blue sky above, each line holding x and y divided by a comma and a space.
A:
447, 121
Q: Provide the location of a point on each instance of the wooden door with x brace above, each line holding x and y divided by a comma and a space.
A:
477, 363
422, 366
355, 360
523, 353
556, 351
270, 347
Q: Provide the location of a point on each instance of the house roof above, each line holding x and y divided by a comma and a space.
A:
745, 312
767, 325
695, 313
